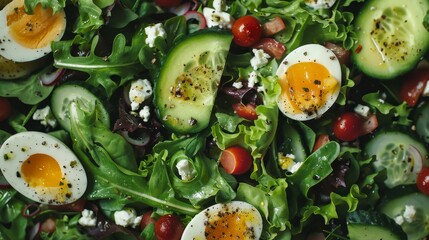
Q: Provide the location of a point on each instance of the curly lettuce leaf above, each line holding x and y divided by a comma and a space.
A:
56, 5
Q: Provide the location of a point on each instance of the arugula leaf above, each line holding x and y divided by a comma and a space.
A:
108, 180
121, 64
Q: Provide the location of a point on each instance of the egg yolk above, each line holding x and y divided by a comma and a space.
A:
37, 30
307, 86
41, 170
230, 225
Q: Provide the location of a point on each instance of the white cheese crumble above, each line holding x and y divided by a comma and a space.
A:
237, 85
362, 110
153, 32
88, 218
127, 217
399, 220
140, 90
252, 79
294, 167
320, 4
185, 170
45, 116
218, 5
409, 213
216, 18
145, 113
260, 59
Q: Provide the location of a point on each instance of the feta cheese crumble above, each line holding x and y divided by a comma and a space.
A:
127, 217
88, 218
153, 32
185, 170
237, 85
45, 116
252, 79
145, 113
409, 213
140, 90
320, 4
215, 18
260, 59
362, 110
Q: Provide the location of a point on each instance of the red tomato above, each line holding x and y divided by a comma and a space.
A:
274, 48
321, 140
167, 3
348, 126
342, 54
423, 180
247, 111
413, 86
273, 26
236, 160
5, 108
247, 31
369, 124
168, 227
146, 219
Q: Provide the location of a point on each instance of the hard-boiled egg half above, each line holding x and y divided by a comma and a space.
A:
27, 37
233, 220
42, 168
310, 80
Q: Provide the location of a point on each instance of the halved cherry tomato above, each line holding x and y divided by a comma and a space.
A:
146, 219
273, 26
413, 85
236, 160
423, 180
5, 108
168, 227
349, 126
274, 48
247, 111
247, 31
321, 140
167, 3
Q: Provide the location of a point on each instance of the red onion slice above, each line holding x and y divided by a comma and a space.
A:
181, 9
194, 15
195, 5
30, 210
50, 78
34, 231
4, 184
141, 140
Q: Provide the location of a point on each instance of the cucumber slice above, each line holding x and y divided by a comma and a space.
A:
63, 95
422, 122
400, 154
418, 228
365, 225
186, 88
391, 38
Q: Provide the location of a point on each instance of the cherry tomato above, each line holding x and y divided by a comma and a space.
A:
167, 3
274, 48
348, 126
423, 180
247, 31
5, 108
413, 86
247, 111
321, 140
146, 219
236, 160
342, 54
168, 227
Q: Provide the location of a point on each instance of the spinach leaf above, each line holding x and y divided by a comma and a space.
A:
110, 181
29, 90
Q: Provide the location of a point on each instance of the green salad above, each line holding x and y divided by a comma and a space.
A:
214, 119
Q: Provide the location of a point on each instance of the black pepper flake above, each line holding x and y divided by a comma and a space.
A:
317, 82
306, 89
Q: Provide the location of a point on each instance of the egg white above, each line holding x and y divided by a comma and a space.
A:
19, 147
196, 227
11, 49
311, 53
